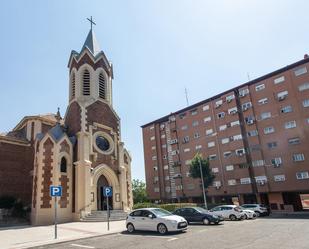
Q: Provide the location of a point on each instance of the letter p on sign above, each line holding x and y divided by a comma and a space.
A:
55, 191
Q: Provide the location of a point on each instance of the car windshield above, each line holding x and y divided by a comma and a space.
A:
202, 210
160, 212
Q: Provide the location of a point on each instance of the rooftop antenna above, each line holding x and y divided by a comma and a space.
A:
186, 93
248, 76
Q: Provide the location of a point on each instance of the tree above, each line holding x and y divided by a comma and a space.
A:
139, 191
195, 171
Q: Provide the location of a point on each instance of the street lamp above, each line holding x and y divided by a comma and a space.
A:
202, 178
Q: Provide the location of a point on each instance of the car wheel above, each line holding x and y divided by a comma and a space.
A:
162, 229
257, 213
246, 216
233, 217
206, 221
130, 228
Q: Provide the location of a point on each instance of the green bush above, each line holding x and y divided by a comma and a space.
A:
7, 202
169, 207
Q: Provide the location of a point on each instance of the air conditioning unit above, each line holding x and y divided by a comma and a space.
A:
280, 98
218, 187
261, 182
233, 112
250, 121
245, 108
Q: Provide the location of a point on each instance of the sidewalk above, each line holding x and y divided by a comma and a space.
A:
19, 237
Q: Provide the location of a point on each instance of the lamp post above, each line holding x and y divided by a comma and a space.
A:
202, 178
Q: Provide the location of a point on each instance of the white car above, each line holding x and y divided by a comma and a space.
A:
155, 219
231, 212
260, 210
249, 214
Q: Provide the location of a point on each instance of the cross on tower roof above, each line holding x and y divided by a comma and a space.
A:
91, 22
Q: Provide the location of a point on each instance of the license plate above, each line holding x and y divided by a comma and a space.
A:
183, 224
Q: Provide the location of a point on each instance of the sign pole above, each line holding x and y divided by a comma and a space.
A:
107, 213
55, 217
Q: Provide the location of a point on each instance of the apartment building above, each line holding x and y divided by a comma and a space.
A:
256, 137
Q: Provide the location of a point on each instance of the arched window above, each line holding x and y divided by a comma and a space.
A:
86, 83
102, 86
73, 85
63, 165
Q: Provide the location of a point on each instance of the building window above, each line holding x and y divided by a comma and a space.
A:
282, 95
252, 133
243, 92
152, 138
268, 130
151, 127
235, 123
276, 162
207, 119
286, 109
156, 190
73, 85
163, 136
230, 98
188, 162
198, 147
221, 115
294, 141
162, 126
209, 132
167, 189
164, 156
302, 175
211, 144
155, 168
86, 83
290, 124
195, 123
165, 167
300, 71
184, 127
249, 120
229, 167
258, 163
205, 107
245, 180
272, 145
218, 103
215, 170
236, 137
167, 178
303, 87
259, 87
222, 127
279, 178
63, 165
261, 180
225, 140
186, 150
231, 182
196, 135
279, 80
306, 103
155, 179
102, 86
186, 139
154, 158
153, 147
232, 111
227, 154
164, 146
182, 115
193, 112
263, 101
217, 184
265, 115
298, 157
212, 157
240, 152
246, 106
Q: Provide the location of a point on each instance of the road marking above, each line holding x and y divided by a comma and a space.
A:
204, 230
83, 246
172, 239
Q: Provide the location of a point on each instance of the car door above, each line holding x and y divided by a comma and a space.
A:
196, 216
136, 218
148, 223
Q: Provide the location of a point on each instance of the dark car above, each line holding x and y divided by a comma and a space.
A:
197, 214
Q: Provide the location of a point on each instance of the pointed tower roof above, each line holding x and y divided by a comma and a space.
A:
91, 43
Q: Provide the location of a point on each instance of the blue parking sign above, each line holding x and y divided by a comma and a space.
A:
55, 191
107, 191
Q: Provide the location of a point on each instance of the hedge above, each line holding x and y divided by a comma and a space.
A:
169, 207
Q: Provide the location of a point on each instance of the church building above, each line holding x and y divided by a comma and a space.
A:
82, 152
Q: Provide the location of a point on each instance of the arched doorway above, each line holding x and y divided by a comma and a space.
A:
101, 200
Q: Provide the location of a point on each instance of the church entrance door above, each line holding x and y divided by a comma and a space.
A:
101, 200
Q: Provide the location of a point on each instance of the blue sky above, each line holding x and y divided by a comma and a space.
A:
157, 47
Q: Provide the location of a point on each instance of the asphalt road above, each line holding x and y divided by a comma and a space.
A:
261, 233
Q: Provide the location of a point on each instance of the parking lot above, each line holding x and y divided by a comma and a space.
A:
260, 233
